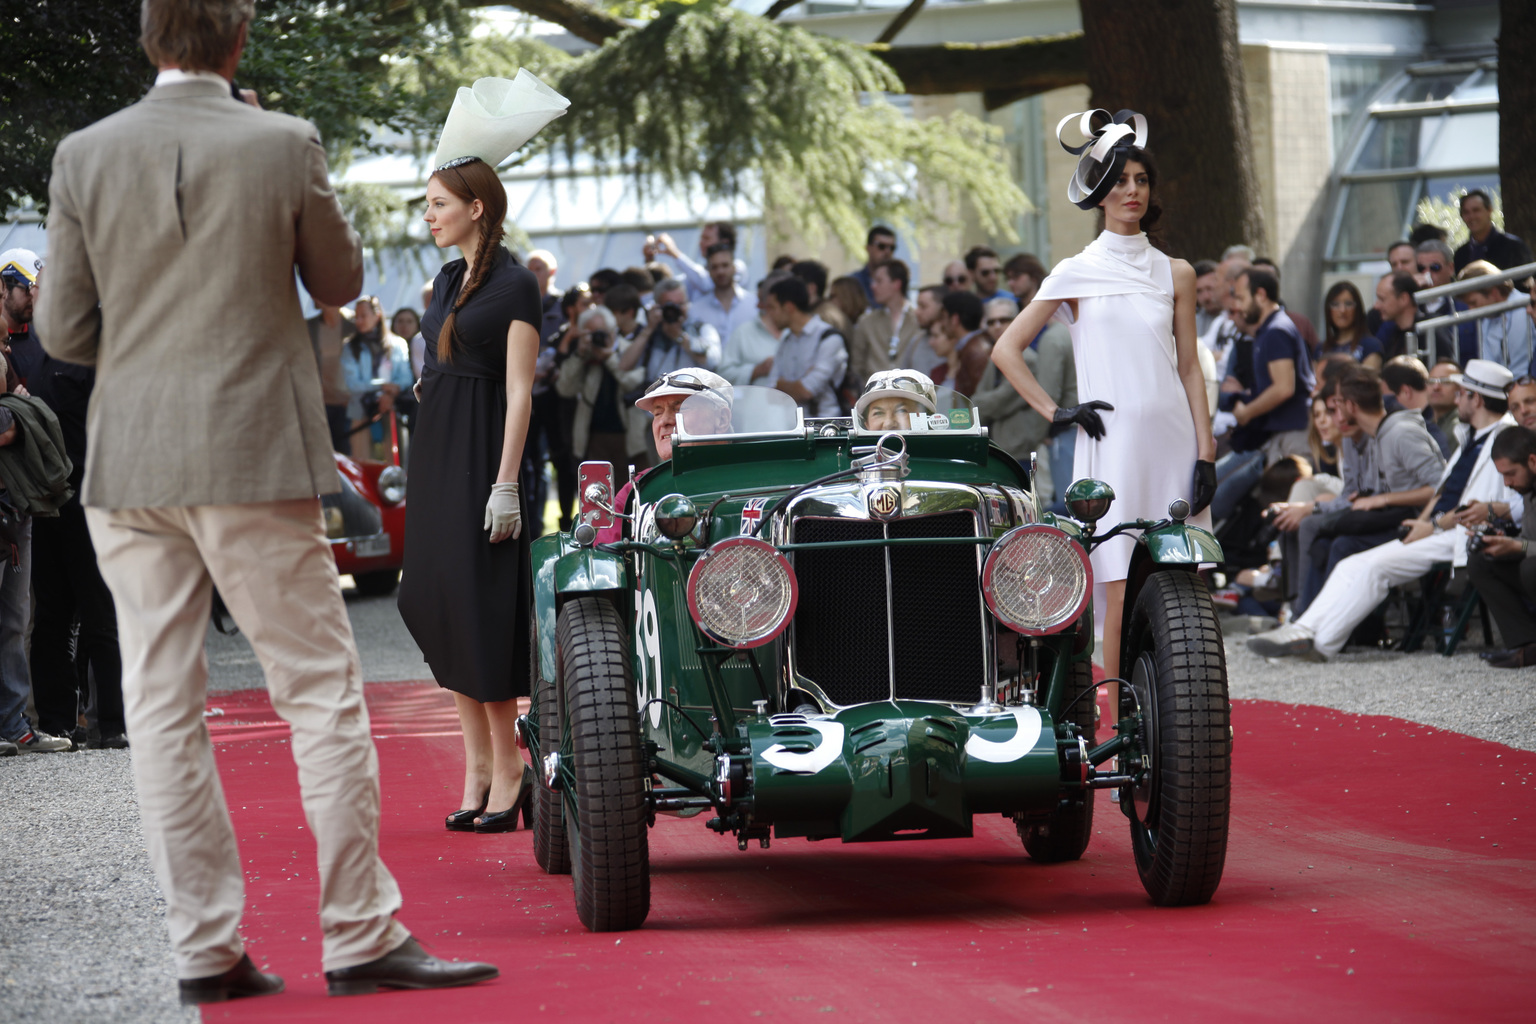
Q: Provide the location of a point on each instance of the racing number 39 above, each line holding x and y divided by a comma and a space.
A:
648, 647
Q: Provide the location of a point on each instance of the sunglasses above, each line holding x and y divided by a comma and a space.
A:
677, 380
955, 280
986, 272
1433, 268
883, 246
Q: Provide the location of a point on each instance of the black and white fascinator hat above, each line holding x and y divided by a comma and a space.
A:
494, 119
1104, 148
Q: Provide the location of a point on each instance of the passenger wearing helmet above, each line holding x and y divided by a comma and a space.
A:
19, 270
891, 397
664, 400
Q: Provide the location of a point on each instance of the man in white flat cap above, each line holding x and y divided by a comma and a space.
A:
1471, 492
175, 230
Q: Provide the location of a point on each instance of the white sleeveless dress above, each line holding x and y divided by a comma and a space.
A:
1122, 341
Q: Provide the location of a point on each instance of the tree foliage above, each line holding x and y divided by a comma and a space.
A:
66, 64
708, 98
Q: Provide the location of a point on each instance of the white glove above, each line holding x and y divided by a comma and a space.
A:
1223, 422
504, 513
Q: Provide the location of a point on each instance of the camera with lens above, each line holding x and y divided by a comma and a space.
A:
599, 339
1494, 527
671, 313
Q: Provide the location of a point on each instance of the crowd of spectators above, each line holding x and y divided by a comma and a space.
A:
1350, 468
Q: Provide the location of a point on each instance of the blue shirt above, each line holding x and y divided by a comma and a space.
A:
1278, 339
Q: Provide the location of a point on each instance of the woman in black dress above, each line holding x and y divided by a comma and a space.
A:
465, 590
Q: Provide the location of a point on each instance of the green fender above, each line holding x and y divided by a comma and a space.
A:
1175, 545
564, 568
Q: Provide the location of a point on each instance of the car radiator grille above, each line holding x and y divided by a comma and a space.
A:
840, 632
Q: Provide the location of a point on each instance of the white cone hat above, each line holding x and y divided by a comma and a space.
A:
493, 119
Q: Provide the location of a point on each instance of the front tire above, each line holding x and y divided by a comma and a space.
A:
610, 855
1181, 809
550, 846
1065, 834
377, 584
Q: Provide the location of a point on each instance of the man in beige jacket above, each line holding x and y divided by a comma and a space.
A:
175, 228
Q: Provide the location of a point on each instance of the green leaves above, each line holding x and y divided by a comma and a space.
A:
710, 98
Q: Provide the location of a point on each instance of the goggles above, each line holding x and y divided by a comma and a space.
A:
678, 379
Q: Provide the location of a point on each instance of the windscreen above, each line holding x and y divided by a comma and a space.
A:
748, 411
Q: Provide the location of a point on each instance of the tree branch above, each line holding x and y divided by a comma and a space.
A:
1006, 70
580, 19
778, 8
900, 21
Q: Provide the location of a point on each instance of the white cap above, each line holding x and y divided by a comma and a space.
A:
687, 383
24, 262
493, 119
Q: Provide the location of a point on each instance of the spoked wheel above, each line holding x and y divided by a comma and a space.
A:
1065, 834
550, 847
605, 814
1180, 807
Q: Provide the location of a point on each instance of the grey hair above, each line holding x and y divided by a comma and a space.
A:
602, 313
1437, 247
1009, 304
1242, 252
669, 284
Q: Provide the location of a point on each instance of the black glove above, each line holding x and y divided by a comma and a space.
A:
1083, 415
1205, 486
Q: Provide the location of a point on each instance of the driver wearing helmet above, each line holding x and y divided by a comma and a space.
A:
891, 397
664, 400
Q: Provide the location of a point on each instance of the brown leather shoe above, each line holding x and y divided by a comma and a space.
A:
1523, 656
238, 982
409, 966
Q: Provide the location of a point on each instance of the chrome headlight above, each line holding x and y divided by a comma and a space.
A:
335, 523
742, 592
1036, 579
392, 485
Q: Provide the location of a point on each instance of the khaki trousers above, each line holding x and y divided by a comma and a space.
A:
274, 569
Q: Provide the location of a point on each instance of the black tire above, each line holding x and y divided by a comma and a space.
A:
550, 846
377, 584
1177, 670
607, 830
1065, 834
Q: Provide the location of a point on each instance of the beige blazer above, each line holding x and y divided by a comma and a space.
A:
175, 228
869, 350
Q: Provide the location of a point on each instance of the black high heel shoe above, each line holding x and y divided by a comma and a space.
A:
506, 821
464, 821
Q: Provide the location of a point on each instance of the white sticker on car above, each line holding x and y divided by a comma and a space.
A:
811, 762
1028, 722
648, 647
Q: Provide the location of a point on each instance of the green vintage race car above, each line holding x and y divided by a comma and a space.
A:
811, 628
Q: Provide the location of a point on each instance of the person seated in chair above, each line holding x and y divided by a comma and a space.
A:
1503, 569
1471, 492
891, 397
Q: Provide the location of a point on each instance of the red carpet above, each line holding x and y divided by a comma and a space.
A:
1378, 871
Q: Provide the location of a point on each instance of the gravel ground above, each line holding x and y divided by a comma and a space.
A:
93, 948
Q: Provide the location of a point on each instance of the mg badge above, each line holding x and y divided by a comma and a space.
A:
885, 501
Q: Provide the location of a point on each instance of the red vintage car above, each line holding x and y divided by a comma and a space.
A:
366, 523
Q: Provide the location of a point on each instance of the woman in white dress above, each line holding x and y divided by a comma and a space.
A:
1144, 423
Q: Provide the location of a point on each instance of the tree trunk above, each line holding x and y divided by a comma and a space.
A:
1177, 62
1517, 133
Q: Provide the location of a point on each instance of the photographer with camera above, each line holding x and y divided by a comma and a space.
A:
670, 340
1503, 568
593, 375
1471, 493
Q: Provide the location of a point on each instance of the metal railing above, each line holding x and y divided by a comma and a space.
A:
1476, 284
